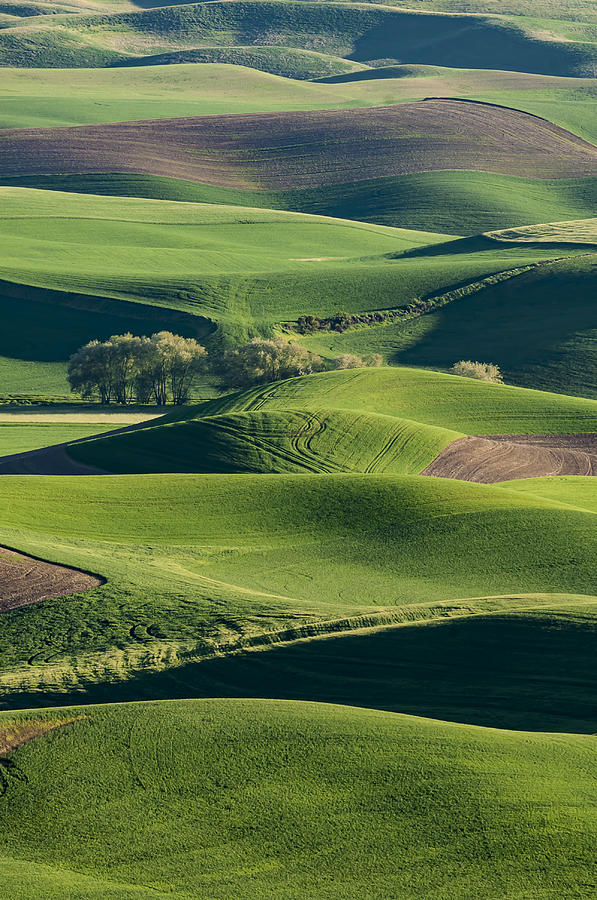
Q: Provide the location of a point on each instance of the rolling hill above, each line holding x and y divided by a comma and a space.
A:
388, 800
270, 151
333, 636
196, 563
222, 273
358, 32
335, 422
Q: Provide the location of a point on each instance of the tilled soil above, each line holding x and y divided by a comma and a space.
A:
505, 457
307, 149
25, 580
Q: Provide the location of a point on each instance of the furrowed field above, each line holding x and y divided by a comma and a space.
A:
326, 627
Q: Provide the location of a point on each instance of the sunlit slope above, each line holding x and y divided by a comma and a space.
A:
196, 562
357, 32
78, 266
574, 491
538, 326
287, 800
318, 440
471, 407
351, 421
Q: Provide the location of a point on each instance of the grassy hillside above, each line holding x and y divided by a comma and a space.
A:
97, 272
193, 562
507, 668
337, 422
451, 202
358, 32
394, 805
299, 441
538, 327
444, 401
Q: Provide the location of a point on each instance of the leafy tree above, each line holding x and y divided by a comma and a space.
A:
90, 371
261, 361
478, 370
352, 361
127, 367
173, 363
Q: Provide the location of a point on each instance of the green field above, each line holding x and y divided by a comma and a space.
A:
200, 561
293, 663
454, 202
392, 421
39, 98
19, 438
362, 793
358, 32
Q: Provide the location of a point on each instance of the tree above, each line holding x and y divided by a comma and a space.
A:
261, 361
174, 363
352, 361
90, 371
124, 354
478, 370
127, 367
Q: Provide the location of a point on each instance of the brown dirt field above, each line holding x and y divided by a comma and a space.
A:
308, 149
25, 580
506, 457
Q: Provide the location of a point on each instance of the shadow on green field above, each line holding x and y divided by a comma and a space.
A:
539, 327
531, 671
48, 326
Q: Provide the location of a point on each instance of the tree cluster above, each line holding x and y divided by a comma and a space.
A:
262, 360
127, 368
163, 368
478, 370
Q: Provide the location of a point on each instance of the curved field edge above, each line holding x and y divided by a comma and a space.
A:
325, 793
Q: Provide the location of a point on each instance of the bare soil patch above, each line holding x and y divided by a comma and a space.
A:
17, 733
505, 457
309, 148
25, 580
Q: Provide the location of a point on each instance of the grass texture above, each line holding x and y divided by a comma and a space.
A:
49, 97
275, 799
240, 271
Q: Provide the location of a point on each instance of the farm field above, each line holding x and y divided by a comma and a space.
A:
298, 446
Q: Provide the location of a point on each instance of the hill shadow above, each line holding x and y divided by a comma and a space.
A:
524, 671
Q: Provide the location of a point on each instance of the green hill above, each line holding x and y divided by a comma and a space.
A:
244, 271
351, 421
443, 401
197, 562
507, 668
321, 440
358, 32
287, 800
453, 202
49, 97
